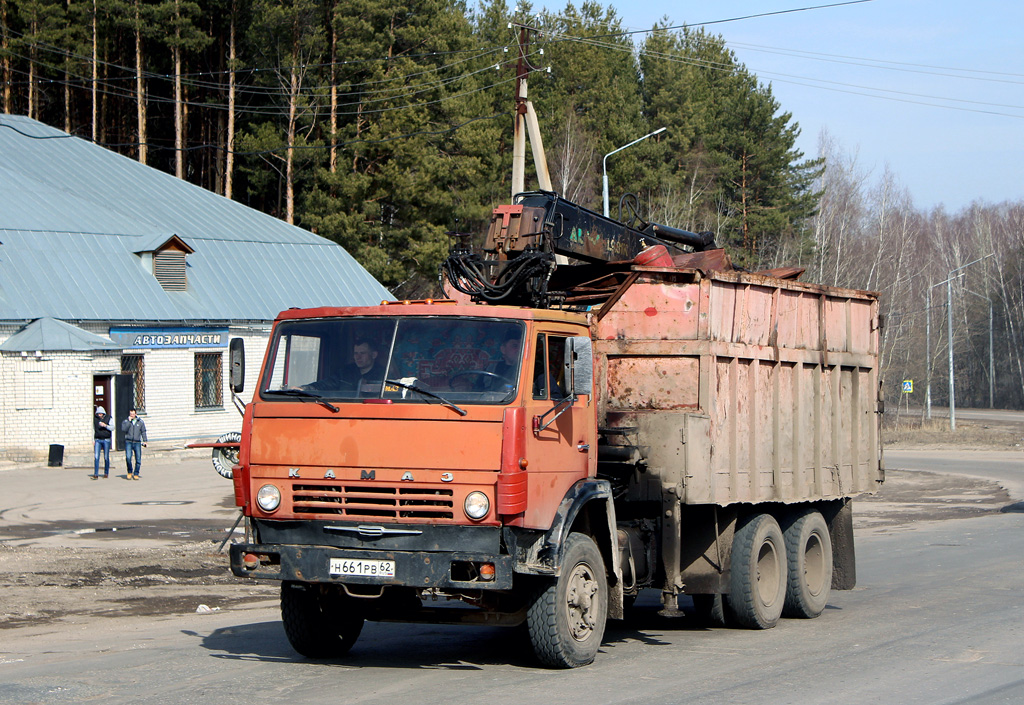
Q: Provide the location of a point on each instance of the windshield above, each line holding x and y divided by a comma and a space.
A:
416, 359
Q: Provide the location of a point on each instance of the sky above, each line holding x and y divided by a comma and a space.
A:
932, 90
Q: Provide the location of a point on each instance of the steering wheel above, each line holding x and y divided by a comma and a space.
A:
481, 373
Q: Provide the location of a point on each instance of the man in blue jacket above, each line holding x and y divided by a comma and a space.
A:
134, 441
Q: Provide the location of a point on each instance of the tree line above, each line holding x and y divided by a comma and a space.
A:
933, 268
386, 126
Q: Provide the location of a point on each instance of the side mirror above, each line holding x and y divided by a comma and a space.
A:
236, 365
579, 364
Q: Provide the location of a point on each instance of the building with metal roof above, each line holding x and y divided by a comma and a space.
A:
155, 274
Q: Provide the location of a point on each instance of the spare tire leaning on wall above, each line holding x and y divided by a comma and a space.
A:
225, 458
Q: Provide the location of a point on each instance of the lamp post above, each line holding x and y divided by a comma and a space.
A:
928, 348
604, 165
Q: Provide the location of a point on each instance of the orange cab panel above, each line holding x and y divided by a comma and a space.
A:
377, 443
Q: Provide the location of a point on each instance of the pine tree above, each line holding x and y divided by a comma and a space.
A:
395, 190
289, 36
735, 169
180, 19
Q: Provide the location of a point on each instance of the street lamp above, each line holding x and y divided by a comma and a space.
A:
604, 165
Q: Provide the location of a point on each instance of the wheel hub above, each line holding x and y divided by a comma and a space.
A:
581, 603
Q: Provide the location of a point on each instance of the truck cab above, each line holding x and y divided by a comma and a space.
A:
412, 450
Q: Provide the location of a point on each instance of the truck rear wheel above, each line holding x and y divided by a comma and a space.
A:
809, 548
759, 572
319, 623
567, 617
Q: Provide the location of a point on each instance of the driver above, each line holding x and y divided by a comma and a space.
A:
365, 374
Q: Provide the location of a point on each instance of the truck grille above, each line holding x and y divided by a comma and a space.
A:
374, 501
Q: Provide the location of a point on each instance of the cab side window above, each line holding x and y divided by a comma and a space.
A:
556, 367
549, 377
540, 381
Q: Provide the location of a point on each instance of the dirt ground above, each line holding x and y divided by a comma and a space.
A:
62, 584
44, 584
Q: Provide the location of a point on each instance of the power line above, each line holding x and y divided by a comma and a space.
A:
87, 81
707, 23
884, 64
285, 148
343, 62
283, 110
63, 136
835, 86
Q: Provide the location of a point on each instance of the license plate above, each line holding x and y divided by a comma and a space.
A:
362, 567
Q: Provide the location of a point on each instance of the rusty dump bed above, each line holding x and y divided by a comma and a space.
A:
741, 388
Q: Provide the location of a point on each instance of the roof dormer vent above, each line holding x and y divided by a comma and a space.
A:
169, 266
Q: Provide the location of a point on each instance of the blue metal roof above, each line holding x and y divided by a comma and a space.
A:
73, 215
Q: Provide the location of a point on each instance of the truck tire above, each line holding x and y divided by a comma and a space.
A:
809, 548
225, 458
567, 616
759, 573
318, 624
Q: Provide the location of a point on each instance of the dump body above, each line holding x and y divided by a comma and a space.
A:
742, 388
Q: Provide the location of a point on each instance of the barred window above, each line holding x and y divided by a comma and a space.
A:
208, 381
135, 365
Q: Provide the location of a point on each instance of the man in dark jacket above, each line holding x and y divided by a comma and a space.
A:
101, 426
134, 441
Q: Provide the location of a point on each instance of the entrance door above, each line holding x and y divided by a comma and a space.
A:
101, 393
124, 399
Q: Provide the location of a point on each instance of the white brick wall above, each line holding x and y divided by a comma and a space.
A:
31, 418
62, 414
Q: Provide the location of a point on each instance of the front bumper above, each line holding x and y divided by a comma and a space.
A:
418, 569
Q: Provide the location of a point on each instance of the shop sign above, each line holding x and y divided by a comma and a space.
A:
170, 337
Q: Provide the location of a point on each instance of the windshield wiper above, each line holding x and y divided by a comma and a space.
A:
419, 390
304, 395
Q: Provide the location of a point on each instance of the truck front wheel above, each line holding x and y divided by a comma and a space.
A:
809, 548
319, 622
759, 573
566, 618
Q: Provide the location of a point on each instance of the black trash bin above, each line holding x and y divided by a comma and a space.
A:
56, 456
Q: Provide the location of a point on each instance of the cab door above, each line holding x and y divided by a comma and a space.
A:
558, 432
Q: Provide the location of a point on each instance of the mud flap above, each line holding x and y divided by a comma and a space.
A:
840, 529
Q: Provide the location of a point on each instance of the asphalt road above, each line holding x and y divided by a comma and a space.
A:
973, 414
1003, 467
937, 619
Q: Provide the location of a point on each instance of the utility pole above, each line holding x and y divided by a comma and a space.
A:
526, 121
949, 332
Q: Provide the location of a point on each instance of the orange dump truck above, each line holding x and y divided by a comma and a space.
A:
698, 432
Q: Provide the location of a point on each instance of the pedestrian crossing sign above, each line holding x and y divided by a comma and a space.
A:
908, 386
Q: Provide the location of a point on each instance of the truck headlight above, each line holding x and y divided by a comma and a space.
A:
477, 505
269, 498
